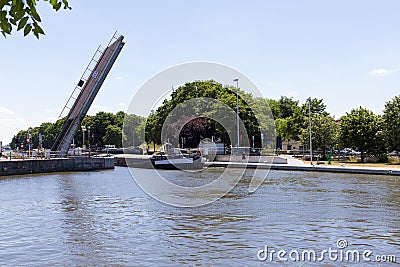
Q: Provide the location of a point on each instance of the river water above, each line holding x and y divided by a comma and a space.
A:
104, 219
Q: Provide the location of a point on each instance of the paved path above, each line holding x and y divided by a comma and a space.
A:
292, 161
294, 164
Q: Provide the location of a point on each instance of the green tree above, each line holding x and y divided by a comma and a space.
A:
100, 132
48, 130
274, 107
99, 124
287, 107
265, 109
113, 135
133, 131
317, 106
22, 14
209, 89
325, 132
361, 129
298, 120
391, 122
119, 118
282, 128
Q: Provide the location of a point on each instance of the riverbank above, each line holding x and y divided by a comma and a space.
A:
32, 166
283, 163
294, 164
308, 168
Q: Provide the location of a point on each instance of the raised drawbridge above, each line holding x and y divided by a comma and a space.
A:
85, 91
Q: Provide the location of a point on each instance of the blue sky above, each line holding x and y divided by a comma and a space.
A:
346, 52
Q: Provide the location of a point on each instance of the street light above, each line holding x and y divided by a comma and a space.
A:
83, 136
88, 137
309, 117
182, 141
29, 140
133, 138
237, 112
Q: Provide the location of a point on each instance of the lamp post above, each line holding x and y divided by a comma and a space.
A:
40, 145
29, 140
262, 140
88, 137
309, 117
182, 141
237, 112
133, 138
83, 136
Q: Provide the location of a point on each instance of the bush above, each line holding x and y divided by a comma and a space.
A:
394, 160
383, 158
353, 159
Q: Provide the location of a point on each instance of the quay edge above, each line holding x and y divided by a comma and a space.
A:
33, 166
307, 168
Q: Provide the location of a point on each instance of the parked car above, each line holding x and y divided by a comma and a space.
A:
349, 151
254, 152
394, 153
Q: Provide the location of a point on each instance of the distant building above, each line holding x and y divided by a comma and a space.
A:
292, 145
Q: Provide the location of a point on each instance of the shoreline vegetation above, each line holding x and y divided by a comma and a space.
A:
372, 136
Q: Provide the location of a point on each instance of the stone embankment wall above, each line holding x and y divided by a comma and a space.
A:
20, 167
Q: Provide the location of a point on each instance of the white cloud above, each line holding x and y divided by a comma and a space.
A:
119, 78
11, 126
49, 110
6, 111
13, 121
50, 119
292, 93
97, 108
383, 72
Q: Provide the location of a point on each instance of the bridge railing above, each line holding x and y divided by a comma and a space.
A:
47, 154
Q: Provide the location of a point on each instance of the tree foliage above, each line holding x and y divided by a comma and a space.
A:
317, 106
194, 131
287, 107
325, 132
291, 119
24, 15
105, 128
113, 135
133, 130
361, 129
391, 121
205, 89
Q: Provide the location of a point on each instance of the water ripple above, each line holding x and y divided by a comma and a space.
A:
104, 219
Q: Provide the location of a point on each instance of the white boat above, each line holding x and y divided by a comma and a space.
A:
172, 158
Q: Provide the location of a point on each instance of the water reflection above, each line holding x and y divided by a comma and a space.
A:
103, 218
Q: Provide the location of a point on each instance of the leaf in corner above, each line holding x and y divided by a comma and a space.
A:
27, 29
66, 5
38, 29
58, 6
35, 15
22, 23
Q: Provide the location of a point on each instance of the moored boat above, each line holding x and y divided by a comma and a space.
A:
172, 158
